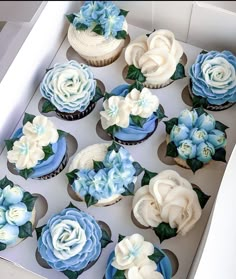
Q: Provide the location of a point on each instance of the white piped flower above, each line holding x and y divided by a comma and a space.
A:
146, 271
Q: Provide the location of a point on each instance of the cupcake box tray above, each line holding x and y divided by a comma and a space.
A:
54, 192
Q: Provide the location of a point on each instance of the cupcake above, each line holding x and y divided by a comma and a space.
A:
131, 113
101, 174
98, 31
71, 241
213, 80
155, 59
17, 214
70, 90
168, 204
194, 138
38, 149
135, 258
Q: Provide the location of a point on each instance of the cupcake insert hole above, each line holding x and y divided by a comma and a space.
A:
136, 223
101, 85
41, 206
72, 194
41, 261
161, 153
124, 75
184, 59
72, 145
40, 108
186, 96
102, 133
127, 40
71, 54
11, 168
173, 259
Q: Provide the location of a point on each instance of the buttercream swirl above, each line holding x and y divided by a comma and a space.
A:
69, 87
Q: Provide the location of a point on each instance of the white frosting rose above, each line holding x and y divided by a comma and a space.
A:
116, 112
165, 39
68, 239
132, 251
219, 74
143, 103
17, 214
146, 271
25, 153
157, 65
41, 130
135, 50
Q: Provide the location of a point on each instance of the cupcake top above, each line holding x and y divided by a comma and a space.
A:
98, 24
16, 213
154, 58
195, 136
130, 112
135, 258
70, 240
168, 203
33, 146
213, 77
101, 173
68, 87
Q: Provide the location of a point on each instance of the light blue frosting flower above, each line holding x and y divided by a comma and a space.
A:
178, 133
17, 214
133, 132
67, 220
213, 77
217, 138
69, 87
92, 9
186, 149
198, 135
12, 195
188, 118
205, 151
206, 122
8, 234
3, 220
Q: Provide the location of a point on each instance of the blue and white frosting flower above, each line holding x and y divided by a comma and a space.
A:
12, 195
17, 214
186, 149
8, 234
217, 138
205, 151
178, 133
213, 77
188, 118
69, 87
70, 240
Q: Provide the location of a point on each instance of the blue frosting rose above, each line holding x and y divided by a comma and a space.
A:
213, 77
70, 240
69, 87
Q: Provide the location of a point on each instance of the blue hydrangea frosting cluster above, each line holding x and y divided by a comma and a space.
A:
197, 136
110, 180
70, 240
103, 13
13, 213
213, 77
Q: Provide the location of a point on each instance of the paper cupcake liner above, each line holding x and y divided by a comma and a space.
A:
157, 86
57, 171
102, 62
134, 142
77, 114
210, 106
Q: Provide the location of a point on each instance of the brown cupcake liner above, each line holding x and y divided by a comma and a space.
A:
77, 114
209, 106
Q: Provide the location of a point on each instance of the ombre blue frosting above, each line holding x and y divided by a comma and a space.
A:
53, 162
164, 267
133, 132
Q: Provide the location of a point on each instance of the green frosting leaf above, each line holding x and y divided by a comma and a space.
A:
9, 143
123, 12
121, 34
106, 239
220, 126
72, 206
72, 176
199, 102
202, 197
220, 155
179, 72
200, 111
150, 33
120, 237
26, 173
5, 182
112, 129
160, 113
98, 29
25, 230
28, 118
70, 17
98, 95
39, 231
138, 85
98, 165
203, 52
170, 123
47, 151
3, 246
171, 150
139, 121
90, 200
120, 274
148, 175
29, 200
62, 134
164, 231
81, 26
157, 256
129, 190
72, 274
194, 164
114, 146
135, 74
137, 167
48, 106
